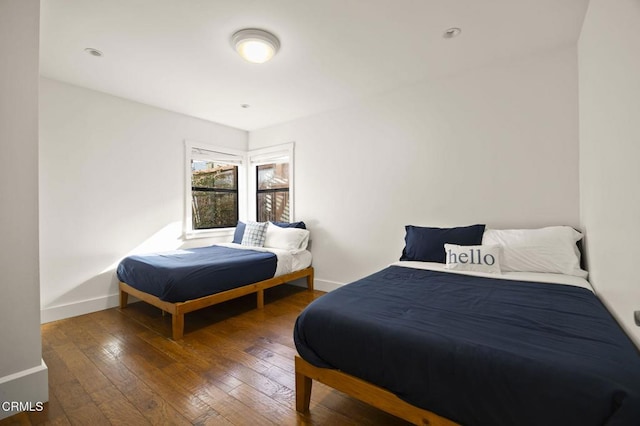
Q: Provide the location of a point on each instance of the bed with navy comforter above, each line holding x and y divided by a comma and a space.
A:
187, 274
185, 280
478, 350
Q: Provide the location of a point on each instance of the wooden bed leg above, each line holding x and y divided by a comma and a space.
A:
124, 298
260, 295
303, 392
310, 281
177, 325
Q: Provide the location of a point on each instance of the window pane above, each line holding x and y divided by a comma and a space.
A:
209, 174
214, 209
273, 176
273, 206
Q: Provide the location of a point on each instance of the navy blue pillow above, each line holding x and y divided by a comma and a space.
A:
427, 244
300, 225
239, 232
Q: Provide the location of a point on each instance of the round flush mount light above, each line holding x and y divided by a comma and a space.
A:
255, 45
452, 32
93, 52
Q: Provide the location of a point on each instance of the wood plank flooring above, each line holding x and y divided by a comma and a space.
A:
233, 367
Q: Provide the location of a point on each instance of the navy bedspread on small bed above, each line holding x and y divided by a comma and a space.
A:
187, 274
479, 351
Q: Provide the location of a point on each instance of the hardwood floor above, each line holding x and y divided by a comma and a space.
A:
233, 367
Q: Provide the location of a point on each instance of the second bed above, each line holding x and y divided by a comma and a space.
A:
186, 280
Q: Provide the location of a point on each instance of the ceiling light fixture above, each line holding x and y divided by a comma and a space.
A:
93, 52
255, 45
452, 32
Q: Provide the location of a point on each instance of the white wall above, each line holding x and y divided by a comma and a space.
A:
23, 375
112, 183
497, 145
609, 70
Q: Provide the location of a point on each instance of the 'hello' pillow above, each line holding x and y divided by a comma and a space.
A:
473, 258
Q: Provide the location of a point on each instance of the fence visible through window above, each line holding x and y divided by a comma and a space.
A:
214, 194
273, 192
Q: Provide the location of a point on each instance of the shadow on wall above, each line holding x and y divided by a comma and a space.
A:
166, 239
83, 294
100, 291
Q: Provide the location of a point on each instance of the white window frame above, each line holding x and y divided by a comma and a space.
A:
273, 154
221, 154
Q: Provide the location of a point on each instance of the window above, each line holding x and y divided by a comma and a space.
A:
214, 194
272, 194
271, 180
214, 188
218, 181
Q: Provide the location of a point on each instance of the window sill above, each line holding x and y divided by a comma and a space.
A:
209, 233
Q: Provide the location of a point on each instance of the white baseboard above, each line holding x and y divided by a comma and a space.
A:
318, 284
82, 307
25, 390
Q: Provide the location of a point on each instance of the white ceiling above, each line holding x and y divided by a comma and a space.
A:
175, 54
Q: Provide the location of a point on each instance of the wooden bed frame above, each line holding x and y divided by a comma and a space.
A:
178, 309
359, 389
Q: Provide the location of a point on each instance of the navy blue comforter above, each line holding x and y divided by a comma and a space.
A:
187, 274
479, 351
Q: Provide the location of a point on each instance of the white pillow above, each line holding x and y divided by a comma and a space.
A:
473, 258
305, 241
286, 238
552, 249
